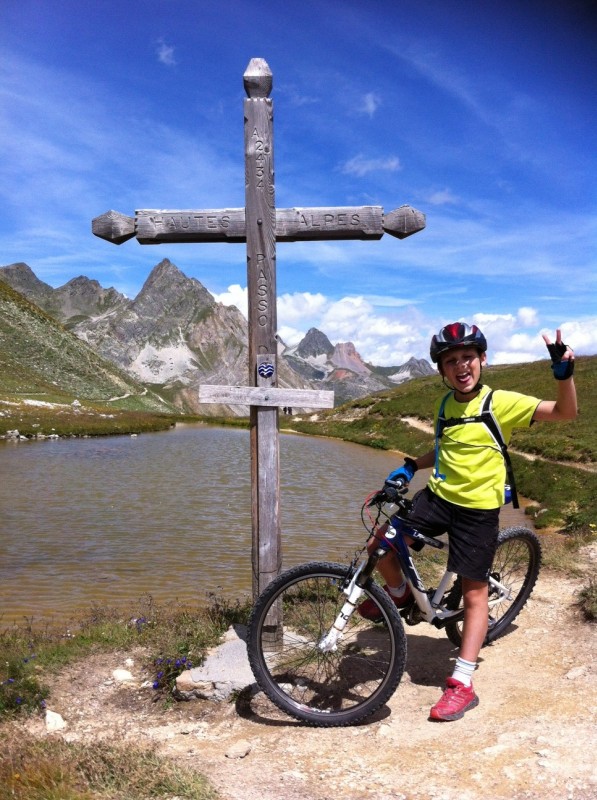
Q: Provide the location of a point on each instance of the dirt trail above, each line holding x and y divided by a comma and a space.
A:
533, 736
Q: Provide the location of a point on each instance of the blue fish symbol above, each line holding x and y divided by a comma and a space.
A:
265, 370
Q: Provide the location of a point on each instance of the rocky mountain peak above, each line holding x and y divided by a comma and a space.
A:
345, 356
314, 344
168, 291
83, 297
174, 334
22, 279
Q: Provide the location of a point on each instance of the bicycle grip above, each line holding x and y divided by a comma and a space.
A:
399, 485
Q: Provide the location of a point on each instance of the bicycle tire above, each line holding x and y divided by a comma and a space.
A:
516, 564
324, 689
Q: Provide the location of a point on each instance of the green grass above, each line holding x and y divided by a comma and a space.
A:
64, 419
587, 600
54, 769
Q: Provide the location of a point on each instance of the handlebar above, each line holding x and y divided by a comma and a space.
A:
391, 493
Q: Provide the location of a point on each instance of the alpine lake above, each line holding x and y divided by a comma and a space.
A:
111, 520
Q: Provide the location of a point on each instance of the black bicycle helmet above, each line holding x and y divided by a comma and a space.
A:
456, 334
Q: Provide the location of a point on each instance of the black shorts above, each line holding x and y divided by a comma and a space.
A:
472, 532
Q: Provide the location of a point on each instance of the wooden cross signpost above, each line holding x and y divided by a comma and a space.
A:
260, 225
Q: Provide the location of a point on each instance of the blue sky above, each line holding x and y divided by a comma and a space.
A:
482, 115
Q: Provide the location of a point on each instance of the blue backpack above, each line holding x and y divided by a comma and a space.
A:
487, 418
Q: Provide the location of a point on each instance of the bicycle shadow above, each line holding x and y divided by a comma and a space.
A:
252, 705
429, 659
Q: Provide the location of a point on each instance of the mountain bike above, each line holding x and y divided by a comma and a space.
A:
319, 661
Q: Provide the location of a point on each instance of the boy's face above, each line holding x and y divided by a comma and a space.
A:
461, 367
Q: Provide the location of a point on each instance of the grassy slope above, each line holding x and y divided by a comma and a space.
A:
41, 361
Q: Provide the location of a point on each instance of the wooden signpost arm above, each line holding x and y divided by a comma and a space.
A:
161, 226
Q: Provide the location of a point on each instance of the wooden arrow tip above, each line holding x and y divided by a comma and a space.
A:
113, 227
258, 79
403, 222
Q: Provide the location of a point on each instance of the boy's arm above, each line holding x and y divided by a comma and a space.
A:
565, 406
425, 461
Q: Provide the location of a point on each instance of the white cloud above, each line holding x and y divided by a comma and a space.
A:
235, 295
388, 331
388, 301
371, 103
300, 306
290, 336
394, 336
379, 338
442, 197
515, 339
581, 335
360, 166
527, 316
165, 54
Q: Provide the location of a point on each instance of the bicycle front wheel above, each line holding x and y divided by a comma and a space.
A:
326, 689
516, 566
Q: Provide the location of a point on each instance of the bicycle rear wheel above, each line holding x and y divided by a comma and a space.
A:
325, 689
516, 566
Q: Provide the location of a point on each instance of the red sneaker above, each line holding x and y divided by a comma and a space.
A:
456, 699
370, 610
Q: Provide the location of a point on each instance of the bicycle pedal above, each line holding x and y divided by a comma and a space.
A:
412, 614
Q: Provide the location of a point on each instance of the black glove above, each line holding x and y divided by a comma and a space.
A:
562, 370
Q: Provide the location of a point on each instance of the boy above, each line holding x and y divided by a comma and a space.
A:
466, 489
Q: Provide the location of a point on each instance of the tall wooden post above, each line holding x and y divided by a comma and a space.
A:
260, 226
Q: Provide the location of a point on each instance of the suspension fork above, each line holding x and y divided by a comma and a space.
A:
353, 591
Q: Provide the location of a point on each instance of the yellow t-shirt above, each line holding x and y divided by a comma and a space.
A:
469, 456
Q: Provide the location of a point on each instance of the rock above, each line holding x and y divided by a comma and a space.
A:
225, 670
54, 721
575, 673
239, 749
122, 675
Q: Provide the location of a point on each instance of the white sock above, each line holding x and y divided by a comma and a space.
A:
463, 671
398, 591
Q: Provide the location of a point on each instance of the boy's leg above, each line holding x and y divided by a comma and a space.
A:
395, 584
475, 595
390, 571
459, 695
425, 516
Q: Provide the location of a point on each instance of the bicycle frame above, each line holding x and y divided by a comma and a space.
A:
430, 605
428, 602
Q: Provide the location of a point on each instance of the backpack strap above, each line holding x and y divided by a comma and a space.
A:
492, 425
439, 429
